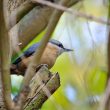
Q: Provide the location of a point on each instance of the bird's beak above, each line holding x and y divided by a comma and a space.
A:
64, 50
67, 50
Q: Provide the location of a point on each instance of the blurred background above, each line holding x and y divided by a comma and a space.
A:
83, 72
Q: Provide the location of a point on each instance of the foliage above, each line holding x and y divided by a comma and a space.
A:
83, 73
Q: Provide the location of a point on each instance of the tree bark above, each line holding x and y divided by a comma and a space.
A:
2, 104
42, 88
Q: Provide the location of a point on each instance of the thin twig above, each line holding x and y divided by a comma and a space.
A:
73, 12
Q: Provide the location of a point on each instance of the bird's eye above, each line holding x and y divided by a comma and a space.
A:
60, 45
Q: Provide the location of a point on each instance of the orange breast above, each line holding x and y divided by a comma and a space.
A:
50, 55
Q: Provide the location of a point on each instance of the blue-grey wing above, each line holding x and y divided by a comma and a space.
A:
27, 53
31, 50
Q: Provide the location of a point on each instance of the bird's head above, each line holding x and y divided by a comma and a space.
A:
61, 49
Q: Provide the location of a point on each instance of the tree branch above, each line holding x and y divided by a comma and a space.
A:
5, 57
31, 25
41, 89
2, 103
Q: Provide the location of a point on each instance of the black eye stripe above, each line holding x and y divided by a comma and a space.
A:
60, 45
57, 43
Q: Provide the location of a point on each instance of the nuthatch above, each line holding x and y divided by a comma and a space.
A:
53, 49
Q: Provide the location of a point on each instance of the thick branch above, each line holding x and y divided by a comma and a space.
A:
5, 57
2, 104
41, 89
31, 25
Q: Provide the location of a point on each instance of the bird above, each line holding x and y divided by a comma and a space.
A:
52, 51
